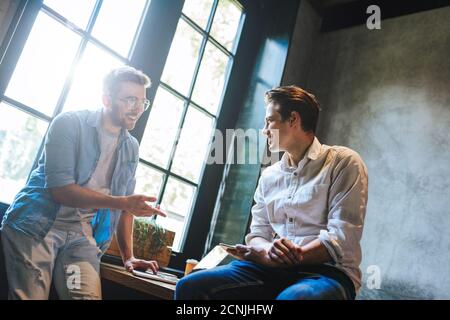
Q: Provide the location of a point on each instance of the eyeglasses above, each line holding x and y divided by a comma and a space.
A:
134, 103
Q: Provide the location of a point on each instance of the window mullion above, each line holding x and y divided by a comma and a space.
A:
67, 84
187, 102
141, 23
191, 88
18, 105
165, 171
12, 50
78, 55
174, 147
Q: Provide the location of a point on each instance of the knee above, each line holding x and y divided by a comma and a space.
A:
183, 289
312, 290
298, 292
190, 287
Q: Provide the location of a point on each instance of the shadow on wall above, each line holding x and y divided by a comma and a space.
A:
385, 94
402, 137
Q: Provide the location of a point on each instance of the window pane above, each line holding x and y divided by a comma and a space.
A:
193, 145
177, 201
183, 55
87, 87
117, 24
148, 181
162, 127
226, 23
198, 11
77, 12
20, 138
209, 85
45, 62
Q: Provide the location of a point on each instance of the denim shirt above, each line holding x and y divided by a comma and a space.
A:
70, 156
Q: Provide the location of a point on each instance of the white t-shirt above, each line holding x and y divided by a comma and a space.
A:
77, 219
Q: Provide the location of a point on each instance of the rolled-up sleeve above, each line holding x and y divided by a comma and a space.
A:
60, 152
260, 225
347, 208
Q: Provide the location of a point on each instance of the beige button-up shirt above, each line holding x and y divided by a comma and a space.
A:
324, 197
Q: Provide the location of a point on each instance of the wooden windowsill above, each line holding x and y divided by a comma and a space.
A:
119, 275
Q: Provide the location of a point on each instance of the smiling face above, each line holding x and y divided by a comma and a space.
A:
119, 109
278, 132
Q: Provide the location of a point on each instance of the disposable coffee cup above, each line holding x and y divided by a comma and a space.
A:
190, 264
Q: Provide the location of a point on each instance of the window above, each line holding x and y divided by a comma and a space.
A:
69, 49
20, 137
183, 116
67, 52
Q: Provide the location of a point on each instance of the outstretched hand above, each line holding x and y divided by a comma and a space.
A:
137, 205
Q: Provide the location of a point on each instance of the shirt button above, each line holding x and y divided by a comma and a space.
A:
295, 173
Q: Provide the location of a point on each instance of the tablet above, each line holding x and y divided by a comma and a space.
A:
227, 246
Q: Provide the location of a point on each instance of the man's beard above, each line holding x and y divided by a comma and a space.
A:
115, 116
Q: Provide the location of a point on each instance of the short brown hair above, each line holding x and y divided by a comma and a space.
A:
293, 98
113, 79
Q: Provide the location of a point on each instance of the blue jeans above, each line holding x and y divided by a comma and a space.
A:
248, 280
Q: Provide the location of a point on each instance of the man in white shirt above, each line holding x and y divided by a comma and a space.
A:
307, 221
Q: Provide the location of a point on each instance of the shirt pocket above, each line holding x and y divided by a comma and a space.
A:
311, 204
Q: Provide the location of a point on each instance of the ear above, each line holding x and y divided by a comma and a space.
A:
107, 101
295, 119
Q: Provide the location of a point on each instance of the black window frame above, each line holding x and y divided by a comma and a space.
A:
159, 13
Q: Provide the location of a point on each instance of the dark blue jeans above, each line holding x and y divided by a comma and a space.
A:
248, 280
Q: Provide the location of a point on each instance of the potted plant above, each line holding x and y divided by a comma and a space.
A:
150, 241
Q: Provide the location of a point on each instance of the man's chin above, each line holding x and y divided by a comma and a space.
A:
129, 125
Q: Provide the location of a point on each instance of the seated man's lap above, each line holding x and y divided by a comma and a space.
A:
247, 280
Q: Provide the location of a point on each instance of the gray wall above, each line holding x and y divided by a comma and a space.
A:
386, 94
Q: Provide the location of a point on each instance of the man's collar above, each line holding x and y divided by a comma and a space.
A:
312, 153
95, 121
95, 118
314, 149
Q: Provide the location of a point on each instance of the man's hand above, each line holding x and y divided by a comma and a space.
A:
285, 252
75, 196
282, 253
134, 263
136, 205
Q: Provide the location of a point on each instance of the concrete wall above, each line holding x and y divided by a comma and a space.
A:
303, 40
386, 94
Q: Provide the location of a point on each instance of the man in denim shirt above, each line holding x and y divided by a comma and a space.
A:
81, 193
